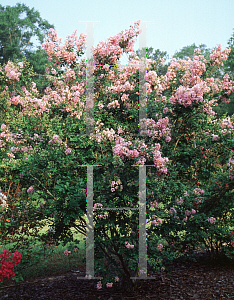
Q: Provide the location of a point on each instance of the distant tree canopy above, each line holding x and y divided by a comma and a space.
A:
157, 55
19, 27
188, 51
229, 64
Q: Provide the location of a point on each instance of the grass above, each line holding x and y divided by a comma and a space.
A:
47, 261
51, 260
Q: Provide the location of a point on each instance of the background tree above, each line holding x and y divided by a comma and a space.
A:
229, 63
39, 61
188, 51
229, 68
157, 55
18, 25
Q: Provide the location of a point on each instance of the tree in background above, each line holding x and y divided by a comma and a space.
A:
188, 51
19, 25
38, 60
229, 68
159, 56
229, 64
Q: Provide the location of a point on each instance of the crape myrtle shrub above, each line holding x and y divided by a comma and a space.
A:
189, 187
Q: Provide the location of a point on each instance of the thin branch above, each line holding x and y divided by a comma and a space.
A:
26, 45
43, 186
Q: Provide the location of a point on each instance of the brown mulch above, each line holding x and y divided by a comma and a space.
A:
189, 280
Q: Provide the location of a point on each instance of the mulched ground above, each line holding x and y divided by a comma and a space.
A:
190, 280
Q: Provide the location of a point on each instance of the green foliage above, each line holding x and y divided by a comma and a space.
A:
188, 51
195, 160
18, 25
39, 61
157, 56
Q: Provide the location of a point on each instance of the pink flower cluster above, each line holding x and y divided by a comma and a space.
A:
192, 70
30, 190
230, 164
3, 127
154, 204
179, 201
66, 252
121, 149
96, 205
140, 150
56, 140
215, 137
109, 52
99, 285
188, 96
156, 130
188, 213
3, 199
226, 123
67, 53
129, 246
118, 88
103, 135
172, 211
153, 82
109, 284
102, 216
156, 222
115, 185
211, 220
198, 191
12, 72
113, 104
218, 56
159, 247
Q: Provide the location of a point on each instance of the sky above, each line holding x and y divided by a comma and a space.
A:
171, 24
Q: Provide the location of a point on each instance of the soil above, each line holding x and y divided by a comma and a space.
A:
203, 279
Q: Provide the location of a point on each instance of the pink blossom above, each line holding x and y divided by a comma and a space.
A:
172, 210
179, 201
109, 285
66, 252
3, 127
159, 247
198, 191
12, 71
68, 151
99, 285
30, 190
215, 137
212, 220
168, 139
